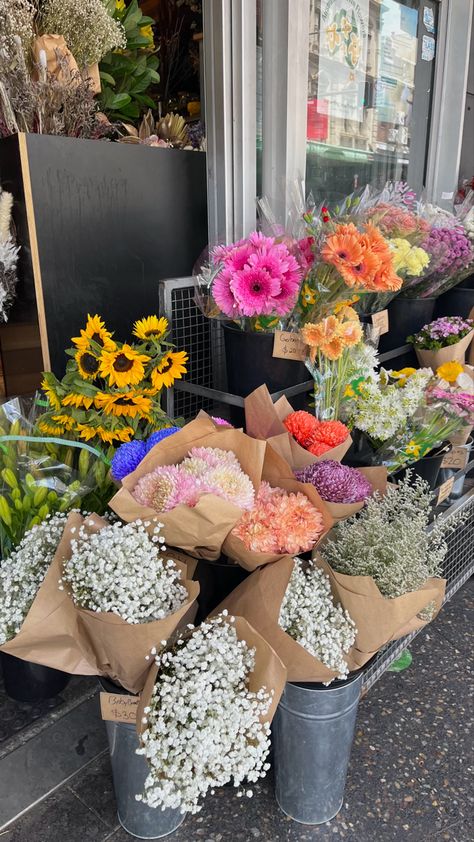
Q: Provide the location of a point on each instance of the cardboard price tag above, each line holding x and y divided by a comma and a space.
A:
380, 321
457, 458
117, 708
445, 490
288, 346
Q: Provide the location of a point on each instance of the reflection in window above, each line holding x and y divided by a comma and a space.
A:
365, 122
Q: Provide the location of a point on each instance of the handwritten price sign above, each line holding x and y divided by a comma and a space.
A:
117, 708
288, 346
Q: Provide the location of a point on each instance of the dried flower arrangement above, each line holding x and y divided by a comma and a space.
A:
8, 256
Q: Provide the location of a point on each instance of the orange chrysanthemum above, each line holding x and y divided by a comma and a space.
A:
302, 426
318, 448
331, 433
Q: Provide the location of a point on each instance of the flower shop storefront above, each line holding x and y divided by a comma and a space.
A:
240, 484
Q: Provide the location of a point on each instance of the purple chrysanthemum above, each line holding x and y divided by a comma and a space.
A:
336, 483
155, 438
127, 458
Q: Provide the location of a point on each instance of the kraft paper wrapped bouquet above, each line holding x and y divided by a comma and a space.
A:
197, 483
444, 340
385, 567
226, 680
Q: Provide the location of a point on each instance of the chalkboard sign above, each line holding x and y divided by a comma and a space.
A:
106, 222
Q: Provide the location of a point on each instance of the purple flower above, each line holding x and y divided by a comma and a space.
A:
127, 458
336, 483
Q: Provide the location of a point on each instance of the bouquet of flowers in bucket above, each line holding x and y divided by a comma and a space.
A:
344, 489
254, 282
444, 340
210, 696
111, 390
290, 604
384, 564
127, 592
39, 475
451, 258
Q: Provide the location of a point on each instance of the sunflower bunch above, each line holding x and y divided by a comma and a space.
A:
111, 390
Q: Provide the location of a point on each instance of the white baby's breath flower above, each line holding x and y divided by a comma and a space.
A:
121, 570
204, 726
22, 573
309, 616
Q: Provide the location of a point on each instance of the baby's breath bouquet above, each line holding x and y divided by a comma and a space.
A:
111, 391
206, 710
385, 563
22, 573
128, 593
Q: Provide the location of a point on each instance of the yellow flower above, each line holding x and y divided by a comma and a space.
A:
308, 295
349, 392
51, 395
119, 5
342, 305
130, 403
77, 400
171, 368
450, 371
111, 436
123, 366
150, 327
412, 449
402, 375
88, 364
95, 330
86, 432
66, 420
147, 32
50, 429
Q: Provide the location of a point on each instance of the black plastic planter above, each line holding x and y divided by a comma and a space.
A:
406, 316
458, 301
217, 579
27, 682
428, 467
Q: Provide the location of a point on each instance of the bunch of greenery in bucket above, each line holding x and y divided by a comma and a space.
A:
23, 571
310, 616
389, 540
203, 726
111, 391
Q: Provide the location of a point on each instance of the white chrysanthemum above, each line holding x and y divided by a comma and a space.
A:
121, 569
203, 725
22, 573
309, 615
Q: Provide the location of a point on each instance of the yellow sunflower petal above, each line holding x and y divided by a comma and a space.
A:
150, 327
123, 366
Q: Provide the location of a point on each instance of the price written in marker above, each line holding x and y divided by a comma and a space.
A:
288, 346
457, 458
380, 321
117, 708
445, 490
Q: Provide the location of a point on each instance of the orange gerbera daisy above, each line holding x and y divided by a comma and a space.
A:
315, 335
351, 333
385, 280
362, 273
343, 249
376, 242
333, 348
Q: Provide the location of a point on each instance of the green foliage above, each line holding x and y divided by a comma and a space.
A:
127, 75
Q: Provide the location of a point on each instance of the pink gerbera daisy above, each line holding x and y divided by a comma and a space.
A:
255, 289
223, 295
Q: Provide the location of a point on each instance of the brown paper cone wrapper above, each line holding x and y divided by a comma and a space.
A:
264, 420
461, 437
258, 598
377, 618
277, 472
54, 46
377, 477
457, 353
269, 672
91, 73
199, 531
48, 635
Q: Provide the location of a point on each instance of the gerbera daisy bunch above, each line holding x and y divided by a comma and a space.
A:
111, 391
255, 281
280, 522
347, 255
203, 726
330, 343
206, 470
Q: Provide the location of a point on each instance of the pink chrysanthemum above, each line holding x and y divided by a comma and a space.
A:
280, 523
166, 487
212, 457
221, 422
230, 482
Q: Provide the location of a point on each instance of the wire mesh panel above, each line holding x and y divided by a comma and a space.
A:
202, 339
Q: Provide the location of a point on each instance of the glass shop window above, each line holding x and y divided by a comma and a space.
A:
371, 66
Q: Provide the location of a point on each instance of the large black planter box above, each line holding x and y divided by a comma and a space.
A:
99, 224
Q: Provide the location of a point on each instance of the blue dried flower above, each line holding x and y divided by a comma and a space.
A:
155, 438
127, 458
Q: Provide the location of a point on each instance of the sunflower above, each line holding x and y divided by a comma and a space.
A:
51, 395
130, 403
171, 368
123, 366
88, 364
66, 420
86, 431
110, 436
95, 331
77, 400
51, 429
150, 327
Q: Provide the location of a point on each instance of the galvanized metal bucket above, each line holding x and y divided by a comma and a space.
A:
313, 730
129, 771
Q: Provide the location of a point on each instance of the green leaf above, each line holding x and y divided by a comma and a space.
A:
131, 110
106, 77
401, 663
120, 101
145, 101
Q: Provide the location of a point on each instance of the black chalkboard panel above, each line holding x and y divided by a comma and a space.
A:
111, 221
